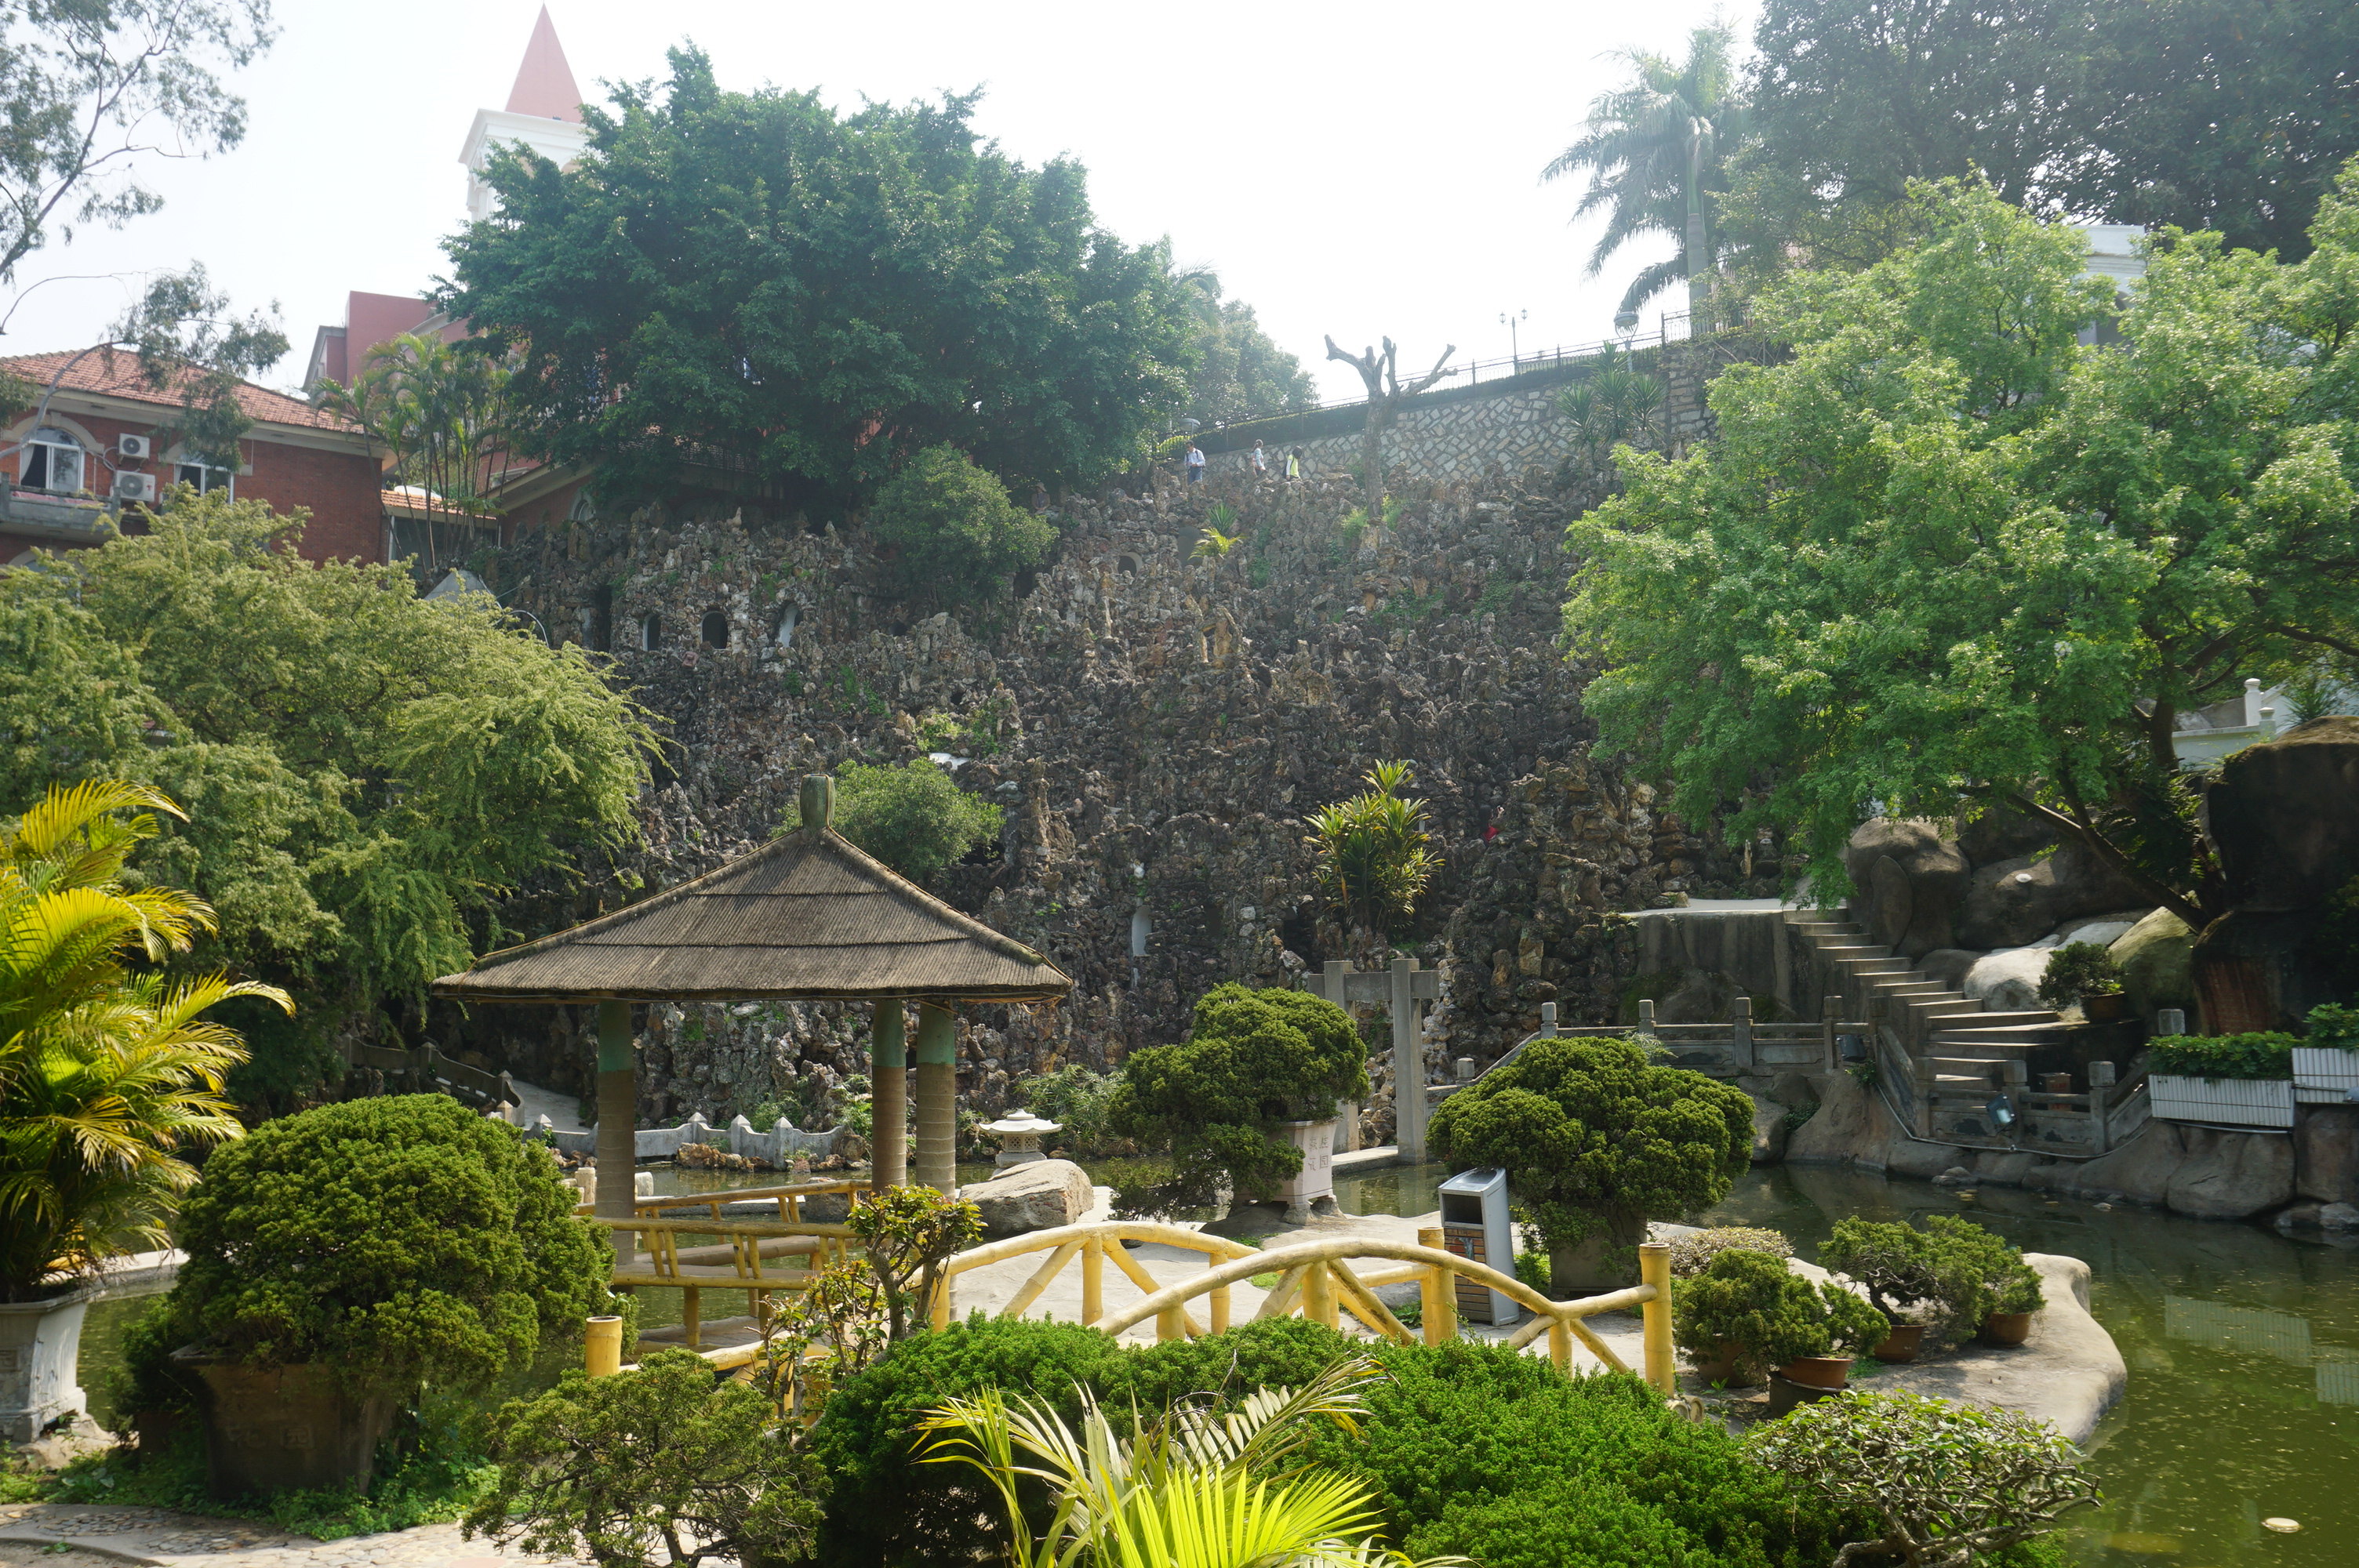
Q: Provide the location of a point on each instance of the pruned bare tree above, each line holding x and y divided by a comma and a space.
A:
1386, 395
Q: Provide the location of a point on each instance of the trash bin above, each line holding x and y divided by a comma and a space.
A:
1474, 1224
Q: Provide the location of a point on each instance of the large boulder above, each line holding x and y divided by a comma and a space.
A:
2326, 1154
2198, 1171
1040, 1195
1906, 878
1949, 966
2155, 956
2015, 901
2285, 817
2008, 980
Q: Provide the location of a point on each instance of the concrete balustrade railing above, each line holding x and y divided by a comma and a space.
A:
782, 1144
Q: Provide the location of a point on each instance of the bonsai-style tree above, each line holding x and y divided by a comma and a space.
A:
1764, 1314
1253, 1061
2077, 972
1948, 1277
909, 1234
1950, 1483
397, 1241
106, 1073
1595, 1139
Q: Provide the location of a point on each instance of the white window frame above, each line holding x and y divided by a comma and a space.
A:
228, 481
67, 441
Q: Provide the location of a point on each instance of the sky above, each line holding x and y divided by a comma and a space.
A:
1357, 169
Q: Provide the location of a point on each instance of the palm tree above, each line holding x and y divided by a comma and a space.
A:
1190, 1490
1652, 146
104, 1072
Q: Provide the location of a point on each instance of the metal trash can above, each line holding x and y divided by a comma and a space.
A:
1474, 1224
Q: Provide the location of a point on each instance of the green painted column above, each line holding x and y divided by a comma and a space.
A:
937, 1098
618, 1105
889, 1079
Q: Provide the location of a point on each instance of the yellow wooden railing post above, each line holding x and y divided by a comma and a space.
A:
1093, 1280
1560, 1346
1655, 1269
602, 1347
1318, 1294
1438, 1297
1220, 1309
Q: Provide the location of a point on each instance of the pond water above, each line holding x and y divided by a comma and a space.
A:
2243, 1348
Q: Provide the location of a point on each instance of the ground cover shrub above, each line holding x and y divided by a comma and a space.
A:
2330, 1024
1945, 1483
910, 816
666, 1463
2078, 971
2215, 1056
1254, 1060
950, 529
1693, 1253
1770, 1315
398, 1241
1596, 1138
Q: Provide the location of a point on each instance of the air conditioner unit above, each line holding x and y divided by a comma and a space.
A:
135, 447
134, 487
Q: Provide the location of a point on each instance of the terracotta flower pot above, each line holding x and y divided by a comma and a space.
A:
2109, 1007
1720, 1365
2007, 1328
1785, 1394
1902, 1344
1829, 1372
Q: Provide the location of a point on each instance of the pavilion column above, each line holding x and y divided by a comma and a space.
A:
937, 1100
888, 1096
618, 1109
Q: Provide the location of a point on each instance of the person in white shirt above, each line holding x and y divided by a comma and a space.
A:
1260, 463
1195, 464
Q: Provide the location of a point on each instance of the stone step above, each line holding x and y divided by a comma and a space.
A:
1909, 988
1961, 1019
2015, 1040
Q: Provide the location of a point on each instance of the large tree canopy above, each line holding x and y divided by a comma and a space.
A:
1946, 556
748, 280
365, 773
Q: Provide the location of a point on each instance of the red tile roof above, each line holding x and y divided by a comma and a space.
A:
117, 375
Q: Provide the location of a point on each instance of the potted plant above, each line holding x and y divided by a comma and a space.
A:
1895, 1264
1229, 1101
1747, 1314
2019, 1295
2326, 1061
106, 1073
341, 1259
2084, 973
1596, 1138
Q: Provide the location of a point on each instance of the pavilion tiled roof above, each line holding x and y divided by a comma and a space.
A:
807, 917
117, 375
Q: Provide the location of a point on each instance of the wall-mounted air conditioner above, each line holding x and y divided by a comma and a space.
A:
135, 447
134, 487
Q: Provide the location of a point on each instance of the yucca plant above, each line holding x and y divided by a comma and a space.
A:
1191, 1489
105, 1072
1374, 856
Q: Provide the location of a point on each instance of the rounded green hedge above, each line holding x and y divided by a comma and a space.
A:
400, 1241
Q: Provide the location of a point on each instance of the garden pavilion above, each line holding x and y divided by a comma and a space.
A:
807, 917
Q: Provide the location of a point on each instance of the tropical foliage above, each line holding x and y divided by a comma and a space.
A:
1653, 148
910, 815
107, 1072
440, 409
367, 774
1948, 1484
1615, 403
1254, 1060
1373, 854
814, 297
397, 1241
1946, 558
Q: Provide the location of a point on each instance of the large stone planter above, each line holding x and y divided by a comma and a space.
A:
40, 1351
1606, 1260
2234, 1102
1313, 1187
272, 1429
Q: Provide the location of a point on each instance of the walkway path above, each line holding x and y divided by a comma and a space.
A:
114, 1536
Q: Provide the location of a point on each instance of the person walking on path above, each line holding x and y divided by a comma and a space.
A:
1260, 463
1294, 463
1195, 464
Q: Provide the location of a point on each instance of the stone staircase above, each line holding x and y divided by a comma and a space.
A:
1967, 1049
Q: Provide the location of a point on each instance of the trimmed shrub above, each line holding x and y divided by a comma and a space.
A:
2216, 1056
1948, 1277
2332, 1024
911, 816
2078, 970
952, 530
397, 1241
1769, 1314
1692, 1253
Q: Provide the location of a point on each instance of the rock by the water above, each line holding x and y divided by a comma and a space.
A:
2155, 959
1769, 1131
2008, 980
1039, 1195
2285, 817
2014, 903
2198, 1171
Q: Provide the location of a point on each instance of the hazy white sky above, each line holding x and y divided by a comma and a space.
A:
1360, 170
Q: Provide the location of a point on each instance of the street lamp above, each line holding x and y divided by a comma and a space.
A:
1510, 320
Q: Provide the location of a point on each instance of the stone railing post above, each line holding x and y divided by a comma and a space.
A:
1645, 1016
1740, 1033
1830, 1014
2102, 1079
1924, 1098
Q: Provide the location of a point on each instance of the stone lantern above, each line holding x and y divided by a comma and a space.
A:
1019, 1134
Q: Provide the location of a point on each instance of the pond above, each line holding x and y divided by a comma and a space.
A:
2243, 1348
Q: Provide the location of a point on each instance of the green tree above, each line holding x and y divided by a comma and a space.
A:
1253, 1061
910, 816
92, 88
1596, 1139
366, 773
400, 1241
1238, 371
950, 529
1374, 859
810, 299
1945, 559
106, 1073
1654, 149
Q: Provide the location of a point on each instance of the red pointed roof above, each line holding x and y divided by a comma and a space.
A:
544, 84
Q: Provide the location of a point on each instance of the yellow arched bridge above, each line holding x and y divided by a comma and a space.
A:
1327, 1279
